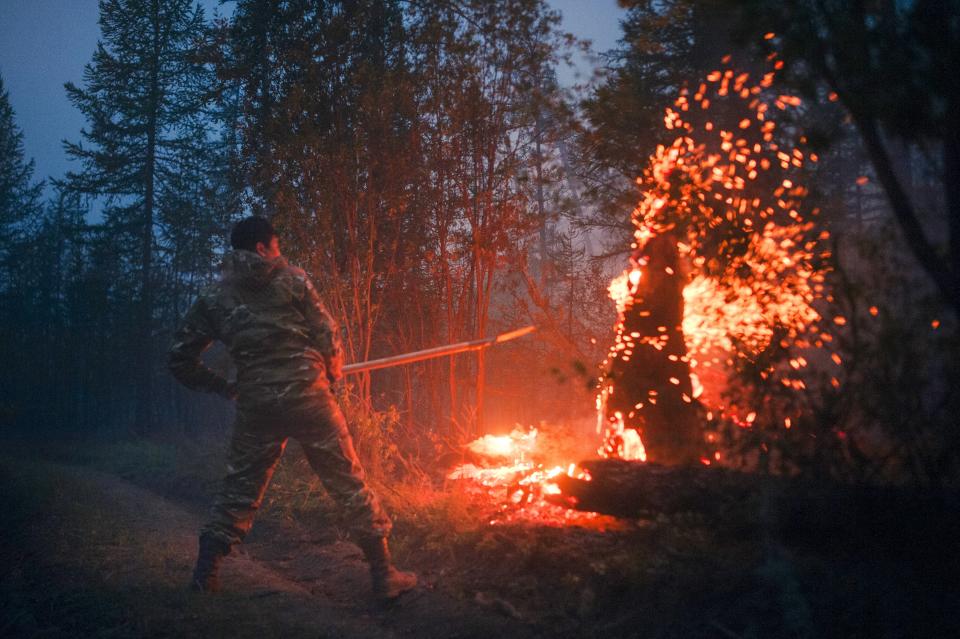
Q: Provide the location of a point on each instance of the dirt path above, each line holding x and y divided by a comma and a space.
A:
90, 554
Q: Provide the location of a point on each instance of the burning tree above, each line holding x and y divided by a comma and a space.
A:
722, 293
647, 388
727, 267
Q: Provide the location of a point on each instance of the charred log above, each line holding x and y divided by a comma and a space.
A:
796, 510
636, 490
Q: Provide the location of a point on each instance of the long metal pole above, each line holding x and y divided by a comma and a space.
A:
437, 351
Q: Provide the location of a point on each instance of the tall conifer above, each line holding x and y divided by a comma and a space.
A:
144, 96
19, 209
19, 195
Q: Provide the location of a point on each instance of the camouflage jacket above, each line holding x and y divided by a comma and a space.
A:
284, 344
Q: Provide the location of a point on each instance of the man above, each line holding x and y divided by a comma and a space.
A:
286, 349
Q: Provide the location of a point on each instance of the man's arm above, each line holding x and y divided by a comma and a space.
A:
326, 333
194, 336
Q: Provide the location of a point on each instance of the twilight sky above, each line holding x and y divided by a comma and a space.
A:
44, 43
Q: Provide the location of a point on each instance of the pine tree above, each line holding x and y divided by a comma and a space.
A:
19, 195
144, 96
19, 209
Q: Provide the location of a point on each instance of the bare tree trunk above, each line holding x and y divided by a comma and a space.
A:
450, 300
144, 405
939, 270
478, 302
541, 205
951, 181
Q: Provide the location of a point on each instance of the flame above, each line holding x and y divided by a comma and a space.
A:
623, 287
513, 445
631, 447
517, 481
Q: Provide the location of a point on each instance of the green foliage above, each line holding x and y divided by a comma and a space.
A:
901, 374
374, 435
890, 65
665, 46
887, 61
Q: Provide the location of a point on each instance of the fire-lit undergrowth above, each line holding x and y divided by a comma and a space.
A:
727, 189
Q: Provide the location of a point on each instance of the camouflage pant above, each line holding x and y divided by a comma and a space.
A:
255, 450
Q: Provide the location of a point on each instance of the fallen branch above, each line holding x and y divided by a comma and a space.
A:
633, 489
792, 508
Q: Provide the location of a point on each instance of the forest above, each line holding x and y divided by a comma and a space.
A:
737, 236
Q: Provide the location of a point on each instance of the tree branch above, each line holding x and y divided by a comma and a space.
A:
938, 270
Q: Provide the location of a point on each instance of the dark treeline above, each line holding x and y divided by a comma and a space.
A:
423, 165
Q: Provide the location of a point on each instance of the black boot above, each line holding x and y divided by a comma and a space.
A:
388, 582
206, 576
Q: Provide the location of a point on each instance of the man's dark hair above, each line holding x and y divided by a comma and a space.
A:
249, 231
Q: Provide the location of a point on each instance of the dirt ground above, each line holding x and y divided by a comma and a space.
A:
100, 556
102, 545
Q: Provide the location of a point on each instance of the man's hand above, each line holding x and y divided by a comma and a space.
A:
334, 367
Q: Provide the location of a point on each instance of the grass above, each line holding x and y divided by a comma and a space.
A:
183, 469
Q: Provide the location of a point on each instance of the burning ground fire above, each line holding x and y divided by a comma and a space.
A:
509, 470
728, 203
